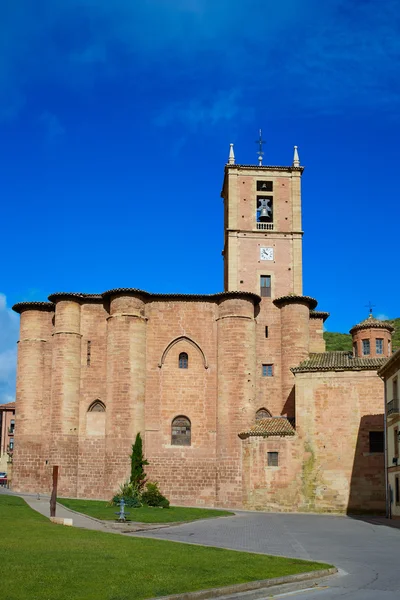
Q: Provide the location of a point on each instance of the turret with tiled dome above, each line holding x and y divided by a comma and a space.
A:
372, 337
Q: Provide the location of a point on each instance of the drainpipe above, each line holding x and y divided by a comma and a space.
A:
387, 494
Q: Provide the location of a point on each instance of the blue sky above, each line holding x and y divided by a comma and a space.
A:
115, 124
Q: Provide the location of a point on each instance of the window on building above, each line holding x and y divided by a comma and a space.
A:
394, 389
183, 360
397, 490
376, 441
11, 444
262, 413
12, 426
265, 186
366, 350
396, 442
273, 459
97, 406
181, 431
379, 346
268, 370
266, 331
265, 286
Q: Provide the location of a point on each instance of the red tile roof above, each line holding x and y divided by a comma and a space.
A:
269, 427
8, 406
338, 361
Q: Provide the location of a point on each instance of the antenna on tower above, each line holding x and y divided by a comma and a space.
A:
260, 152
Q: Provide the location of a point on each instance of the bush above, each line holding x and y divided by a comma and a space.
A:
129, 493
131, 502
153, 497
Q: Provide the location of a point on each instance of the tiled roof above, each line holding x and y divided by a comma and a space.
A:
78, 295
21, 306
338, 361
292, 299
372, 323
184, 297
82, 297
8, 406
269, 427
319, 314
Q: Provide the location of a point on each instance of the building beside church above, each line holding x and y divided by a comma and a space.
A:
390, 373
7, 423
236, 399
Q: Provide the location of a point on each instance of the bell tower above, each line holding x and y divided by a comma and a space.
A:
262, 223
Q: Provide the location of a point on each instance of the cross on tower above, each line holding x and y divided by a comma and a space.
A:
370, 306
260, 152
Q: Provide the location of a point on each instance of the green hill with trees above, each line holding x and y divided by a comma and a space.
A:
342, 341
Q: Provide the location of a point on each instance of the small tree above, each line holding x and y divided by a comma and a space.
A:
138, 476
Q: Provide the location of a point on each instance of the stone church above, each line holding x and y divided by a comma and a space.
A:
236, 399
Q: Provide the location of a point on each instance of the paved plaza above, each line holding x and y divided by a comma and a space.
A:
366, 552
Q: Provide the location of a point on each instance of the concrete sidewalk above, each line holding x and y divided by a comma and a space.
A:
42, 505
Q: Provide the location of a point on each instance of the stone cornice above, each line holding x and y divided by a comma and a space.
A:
263, 168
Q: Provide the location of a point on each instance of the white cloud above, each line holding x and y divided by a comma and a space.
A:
9, 324
383, 317
222, 106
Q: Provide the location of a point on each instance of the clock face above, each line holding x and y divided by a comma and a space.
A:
266, 254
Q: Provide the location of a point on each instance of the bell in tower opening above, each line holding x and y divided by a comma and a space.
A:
264, 209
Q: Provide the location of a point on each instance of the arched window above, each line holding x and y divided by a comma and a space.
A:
263, 413
181, 431
97, 406
183, 360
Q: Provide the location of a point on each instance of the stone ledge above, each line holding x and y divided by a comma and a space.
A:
252, 586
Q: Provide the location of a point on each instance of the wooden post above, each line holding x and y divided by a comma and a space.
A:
53, 498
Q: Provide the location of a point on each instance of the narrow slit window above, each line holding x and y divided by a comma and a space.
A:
265, 286
266, 331
183, 360
88, 352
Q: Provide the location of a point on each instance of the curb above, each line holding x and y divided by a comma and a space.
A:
252, 586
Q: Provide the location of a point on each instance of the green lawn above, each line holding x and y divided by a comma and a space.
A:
42, 561
100, 509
